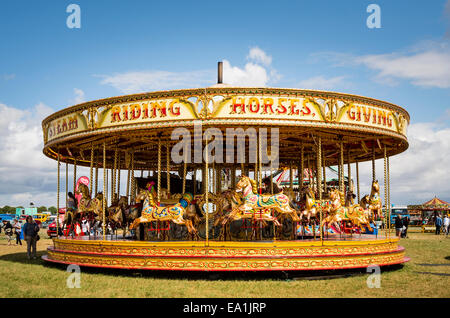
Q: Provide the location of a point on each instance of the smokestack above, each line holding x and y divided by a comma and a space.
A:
219, 72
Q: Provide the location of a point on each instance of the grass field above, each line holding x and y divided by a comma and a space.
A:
426, 275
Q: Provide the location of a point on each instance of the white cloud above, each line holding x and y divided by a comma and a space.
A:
26, 174
430, 68
23, 167
322, 83
79, 96
256, 72
144, 81
259, 56
251, 75
419, 173
425, 65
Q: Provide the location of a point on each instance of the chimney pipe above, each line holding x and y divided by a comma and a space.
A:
219, 72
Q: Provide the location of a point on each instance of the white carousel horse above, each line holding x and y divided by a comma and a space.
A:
261, 204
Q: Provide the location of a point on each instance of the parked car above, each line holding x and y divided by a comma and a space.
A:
51, 230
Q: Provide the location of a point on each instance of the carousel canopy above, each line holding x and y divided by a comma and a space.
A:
135, 124
433, 204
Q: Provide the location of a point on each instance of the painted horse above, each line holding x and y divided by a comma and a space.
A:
254, 203
338, 212
152, 212
87, 205
313, 206
375, 204
117, 213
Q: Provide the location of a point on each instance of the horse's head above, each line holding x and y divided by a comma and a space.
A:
123, 201
99, 196
310, 193
141, 195
84, 190
365, 198
375, 186
335, 194
243, 183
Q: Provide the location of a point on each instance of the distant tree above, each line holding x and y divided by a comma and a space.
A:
52, 210
8, 209
41, 209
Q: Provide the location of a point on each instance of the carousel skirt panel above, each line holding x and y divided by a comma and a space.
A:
227, 256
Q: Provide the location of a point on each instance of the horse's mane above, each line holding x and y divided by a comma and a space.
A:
84, 190
341, 197
151, 199
372, 190
254, 186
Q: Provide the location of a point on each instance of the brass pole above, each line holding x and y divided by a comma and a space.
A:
291, 177
118, 178
349, 171
341, 164
256, 160
184, 172
74, 175
57, 199
206, 193
302, 166
128, 181
214, 175
319, 182
67, 182
104, 192
325, 189
385, 194
260, 160
133, 180
97, 164
357, 181
339, 173
271, 192
159, 171
91, 169
389, 194
373, 164
168, 169
114, 179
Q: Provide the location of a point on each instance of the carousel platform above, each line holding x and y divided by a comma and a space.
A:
333, 253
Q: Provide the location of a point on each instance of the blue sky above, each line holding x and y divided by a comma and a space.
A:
132, 46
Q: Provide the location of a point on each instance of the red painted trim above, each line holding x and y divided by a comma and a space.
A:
45, 258
51, 248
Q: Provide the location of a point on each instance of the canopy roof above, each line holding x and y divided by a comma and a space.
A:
134, 125
433, 204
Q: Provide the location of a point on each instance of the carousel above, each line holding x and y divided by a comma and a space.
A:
186, 180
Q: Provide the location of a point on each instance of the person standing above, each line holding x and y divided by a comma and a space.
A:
446, 224
71, 201
438, 224
30, 231
398, 225
85, 226
8, 230
405, 226
17, 230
